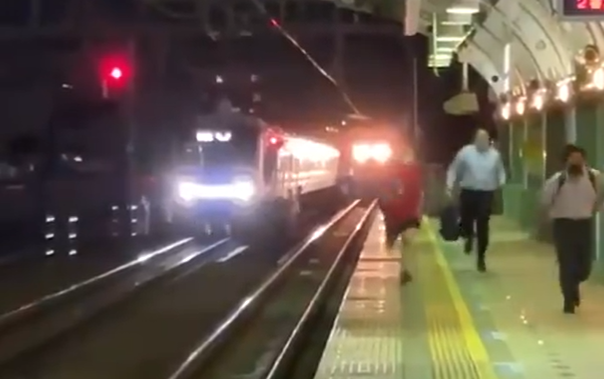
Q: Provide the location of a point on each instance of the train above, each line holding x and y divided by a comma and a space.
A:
239, 173
370, 147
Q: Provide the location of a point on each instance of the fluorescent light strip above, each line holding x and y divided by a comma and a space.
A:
455, 23
463, 10
441, 56
445, 50
450, 39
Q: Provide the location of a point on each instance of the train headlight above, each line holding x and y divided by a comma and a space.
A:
380, 152
243, 189
187, 190
361, 153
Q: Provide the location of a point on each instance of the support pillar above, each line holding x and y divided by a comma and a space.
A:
589, 119
504, 142
518, 131
570, 125
512, 192
557, 136
503, 145
534, 168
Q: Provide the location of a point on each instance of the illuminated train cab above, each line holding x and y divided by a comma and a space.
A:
370, 145
370, 151
363, 153
237, 172
369, 167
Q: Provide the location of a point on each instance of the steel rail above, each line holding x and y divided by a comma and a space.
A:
204, 351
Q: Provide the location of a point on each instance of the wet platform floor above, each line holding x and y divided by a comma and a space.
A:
455, 322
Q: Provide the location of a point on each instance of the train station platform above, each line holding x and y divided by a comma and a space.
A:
454, 322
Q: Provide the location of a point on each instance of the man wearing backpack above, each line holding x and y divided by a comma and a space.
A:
572, 197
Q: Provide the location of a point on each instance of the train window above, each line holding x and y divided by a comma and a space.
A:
191, 155
221, 148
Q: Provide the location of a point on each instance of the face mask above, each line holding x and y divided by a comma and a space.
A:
575, 169
481, 145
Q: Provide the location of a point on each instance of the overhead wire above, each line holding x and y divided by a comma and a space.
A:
262, 9
284, 33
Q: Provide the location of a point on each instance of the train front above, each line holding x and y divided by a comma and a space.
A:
214, 179
370, 166
369, 159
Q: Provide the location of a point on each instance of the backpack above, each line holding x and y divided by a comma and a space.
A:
562, 180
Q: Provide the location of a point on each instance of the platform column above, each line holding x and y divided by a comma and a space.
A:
589, 118
504, 142
555, 140
512, 192
503, 146
556, 137
570, 124
534, 166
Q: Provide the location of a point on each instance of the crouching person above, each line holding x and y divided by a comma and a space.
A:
572, 197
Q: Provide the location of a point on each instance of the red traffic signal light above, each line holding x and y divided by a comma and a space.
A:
113, 82
115, 68
116, 73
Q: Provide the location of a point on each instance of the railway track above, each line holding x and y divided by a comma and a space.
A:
38, 277
134, 323
34, 324
263, 329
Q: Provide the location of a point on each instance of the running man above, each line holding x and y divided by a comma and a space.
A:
479, 172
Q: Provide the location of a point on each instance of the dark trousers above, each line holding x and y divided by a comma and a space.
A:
573, 242
394, 228
475, 213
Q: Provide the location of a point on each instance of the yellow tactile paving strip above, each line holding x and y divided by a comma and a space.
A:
367, 339
456, 347
522, 296
519, 295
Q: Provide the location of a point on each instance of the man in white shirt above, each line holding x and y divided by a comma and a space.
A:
479, 172
572, 197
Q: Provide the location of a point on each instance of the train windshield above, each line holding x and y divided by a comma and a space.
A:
221, 148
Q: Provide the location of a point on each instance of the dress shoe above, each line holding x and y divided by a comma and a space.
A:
481, 265
568, 308
468, 245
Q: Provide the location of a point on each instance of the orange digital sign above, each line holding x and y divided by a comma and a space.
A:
589, 4
582, 8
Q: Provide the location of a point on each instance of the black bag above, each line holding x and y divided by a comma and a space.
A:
449, 223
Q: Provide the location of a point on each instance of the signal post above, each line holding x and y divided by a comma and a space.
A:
117, 76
